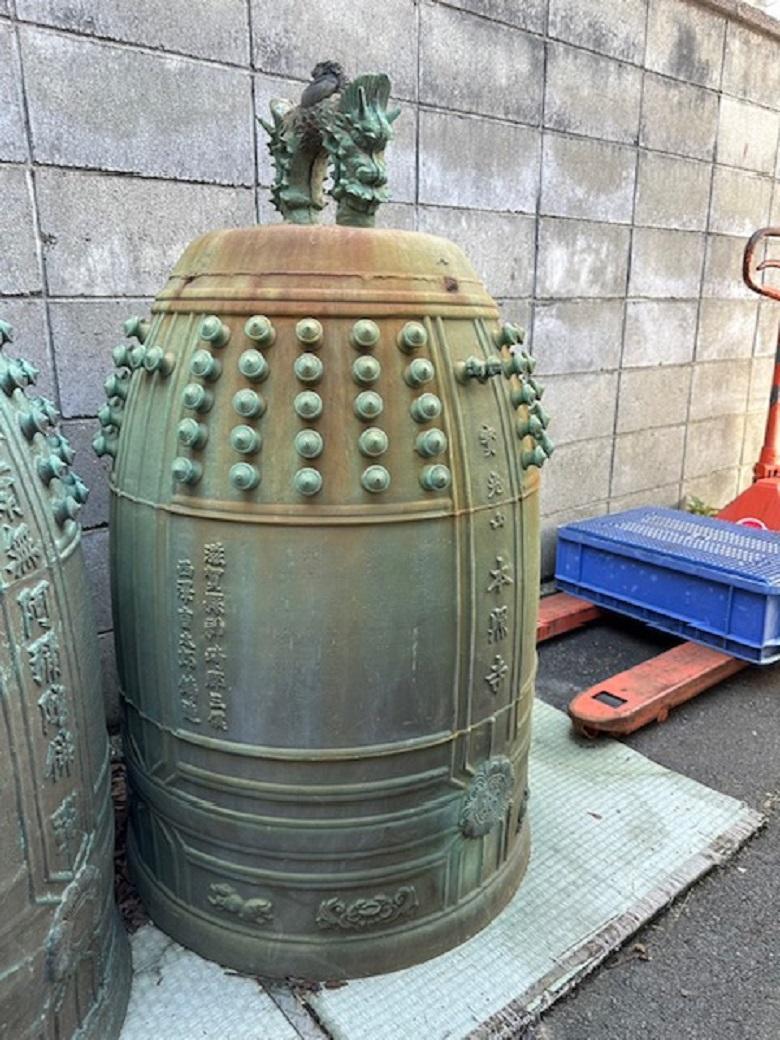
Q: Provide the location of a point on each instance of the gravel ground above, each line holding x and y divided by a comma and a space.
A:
709, 967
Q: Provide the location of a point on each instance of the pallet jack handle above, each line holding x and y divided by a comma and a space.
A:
751, 266
768, 464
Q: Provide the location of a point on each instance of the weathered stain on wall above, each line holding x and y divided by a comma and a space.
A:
600, 163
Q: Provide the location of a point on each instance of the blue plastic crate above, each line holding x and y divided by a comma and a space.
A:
706, 580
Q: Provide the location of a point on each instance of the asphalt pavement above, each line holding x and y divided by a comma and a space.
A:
707, 968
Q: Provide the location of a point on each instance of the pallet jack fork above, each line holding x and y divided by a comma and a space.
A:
647, 692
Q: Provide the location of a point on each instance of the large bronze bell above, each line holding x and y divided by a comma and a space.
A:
325, 570
64, 958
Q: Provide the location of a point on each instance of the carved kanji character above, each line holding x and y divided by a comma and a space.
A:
214, 554
487, 440
53, 708
497, 624
495, 484
500, 575
497, 673
23, 553
60, 756
45, 664
34, 604
185, 570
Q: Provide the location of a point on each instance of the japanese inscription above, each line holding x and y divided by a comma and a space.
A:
500, 575
186, 649
497, 624
497, 673
213, 633
64, 821
40, 648
34, 604
10, 509
23, 553
488, 440
53, 706
495, 484
500, 578
44, 655
60, 756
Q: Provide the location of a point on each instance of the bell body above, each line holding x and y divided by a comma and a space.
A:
325, 576
64, 957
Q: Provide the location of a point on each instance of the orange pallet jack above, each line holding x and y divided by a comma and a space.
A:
647, 692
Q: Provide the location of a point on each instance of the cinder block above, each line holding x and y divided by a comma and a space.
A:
579, 478
668, 495
110, 680
596, 26
592, 180
507, 270
290, 37
755, 425
768, 329
659, 332
549, 530
579, 258
678, 117
92, 470
651, 397
216, 30
713, 445
727, 329
719, 388
744, 478
20, 270
582, 405
747, 135
528, 15
672, 193
685, 40
723, 268
31, 340
400, 215
475, 65
666, 263
750, 68
95, 545
761, 373
740, 201
472, 162
578, 335
119, 236
13, 145
84, 333
401, 158
162, 116
647, 459
714, 489
588, 94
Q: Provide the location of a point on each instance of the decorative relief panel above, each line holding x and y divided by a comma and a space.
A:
488, 797
371, 912
224, 897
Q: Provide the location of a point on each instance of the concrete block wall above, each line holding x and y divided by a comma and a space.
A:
600, 162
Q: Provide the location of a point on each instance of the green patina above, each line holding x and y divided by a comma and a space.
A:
338, 125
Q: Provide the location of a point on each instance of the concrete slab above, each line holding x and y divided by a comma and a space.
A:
178, 995
616, 837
